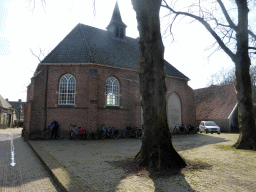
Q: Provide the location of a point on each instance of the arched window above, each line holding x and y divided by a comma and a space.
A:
67, 89
112, 91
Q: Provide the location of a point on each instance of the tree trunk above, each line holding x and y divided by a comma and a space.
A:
247, 137
157, 150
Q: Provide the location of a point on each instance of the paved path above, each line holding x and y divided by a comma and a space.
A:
20, 169
86, 166
80, 165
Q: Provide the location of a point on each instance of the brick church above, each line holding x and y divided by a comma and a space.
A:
91, 78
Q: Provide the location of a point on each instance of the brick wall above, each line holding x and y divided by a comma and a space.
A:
27, 109
223, 124
34, 112
90, 110
186, 95
37, 121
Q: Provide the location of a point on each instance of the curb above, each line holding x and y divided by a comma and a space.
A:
62, 178
53, 176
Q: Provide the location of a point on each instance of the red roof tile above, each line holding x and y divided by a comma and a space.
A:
215, 102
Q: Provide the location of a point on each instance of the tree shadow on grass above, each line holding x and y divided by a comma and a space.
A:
191, 141
165, 179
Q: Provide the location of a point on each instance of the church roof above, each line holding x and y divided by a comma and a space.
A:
86, 44
116, 17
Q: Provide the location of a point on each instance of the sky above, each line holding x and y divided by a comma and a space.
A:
26, 26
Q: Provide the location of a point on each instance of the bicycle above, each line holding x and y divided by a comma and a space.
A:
192, 129
179, 128
80, 133
132, 131
101, 132
112, 133
107, 132
48, 132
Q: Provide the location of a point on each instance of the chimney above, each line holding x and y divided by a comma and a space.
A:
7, 99
19, 100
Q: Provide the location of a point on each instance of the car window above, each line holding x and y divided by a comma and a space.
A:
210, 124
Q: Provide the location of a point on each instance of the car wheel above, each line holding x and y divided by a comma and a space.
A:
219, 133
200, 131
211, 132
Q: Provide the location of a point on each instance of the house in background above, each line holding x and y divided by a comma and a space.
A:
7, 114
219, 104
19, 107
91, 78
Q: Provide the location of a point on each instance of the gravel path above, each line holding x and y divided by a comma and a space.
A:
88, 162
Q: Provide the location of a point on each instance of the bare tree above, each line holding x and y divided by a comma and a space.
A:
157, 150
40, 55
222, 77
233, 39
228, 76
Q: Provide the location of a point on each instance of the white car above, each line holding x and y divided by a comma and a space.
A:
209, 127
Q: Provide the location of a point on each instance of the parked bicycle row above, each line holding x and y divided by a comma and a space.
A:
76, 132
183, 129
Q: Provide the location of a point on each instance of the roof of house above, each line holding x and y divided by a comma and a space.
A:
215, 102
86, 44
4, 103
18, 105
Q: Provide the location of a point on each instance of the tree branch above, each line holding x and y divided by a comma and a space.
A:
225, 12
38, 57
252, 34
41, 54
254, 48
207, 26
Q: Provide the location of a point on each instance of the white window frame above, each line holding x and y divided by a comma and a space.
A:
112, 92
67, 90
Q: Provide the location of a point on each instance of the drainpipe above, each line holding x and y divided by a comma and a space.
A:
45, 96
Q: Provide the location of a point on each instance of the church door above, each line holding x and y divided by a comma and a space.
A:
174, 110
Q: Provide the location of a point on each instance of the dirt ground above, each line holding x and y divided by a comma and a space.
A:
231, 170
212, 166
95, 164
